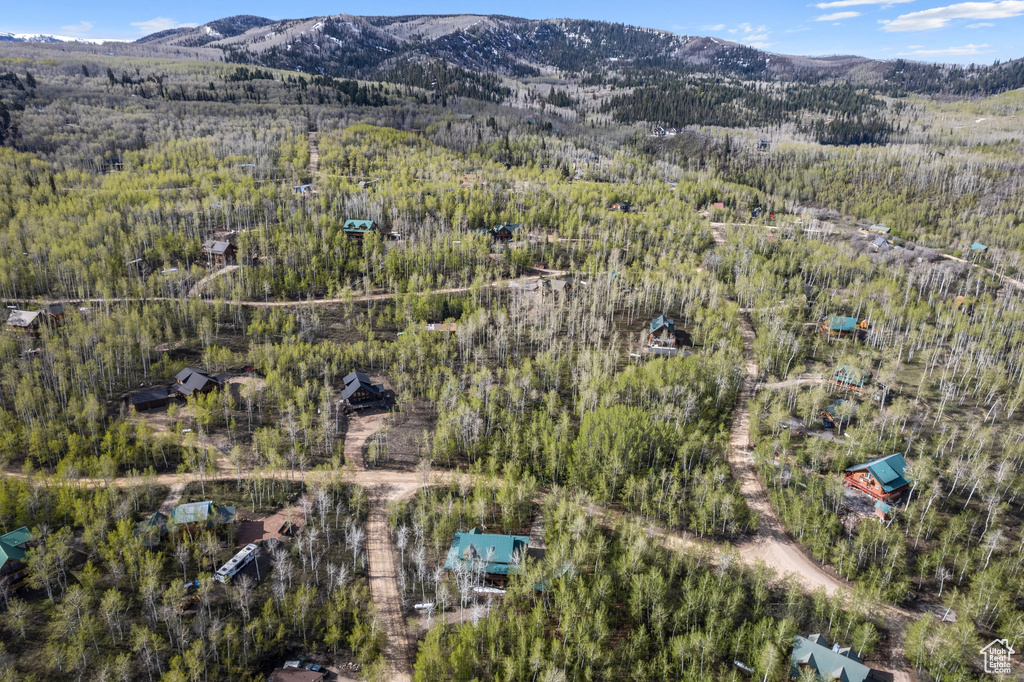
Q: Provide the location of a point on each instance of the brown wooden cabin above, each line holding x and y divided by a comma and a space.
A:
880, 478
219, 253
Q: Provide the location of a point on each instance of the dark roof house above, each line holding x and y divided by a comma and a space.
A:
219, 251
360, 392
190, 381
880, 478
506, 231
830, 663
494, 555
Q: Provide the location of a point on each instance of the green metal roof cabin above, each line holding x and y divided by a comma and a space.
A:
879, 228
880, 478
850, 378
978, 247
359, 228
468, 548
506, 231
830, 663
12, 555
841, 324
205, 513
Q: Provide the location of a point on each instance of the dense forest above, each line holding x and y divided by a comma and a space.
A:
527, 239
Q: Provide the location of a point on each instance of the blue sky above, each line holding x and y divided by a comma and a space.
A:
927, 30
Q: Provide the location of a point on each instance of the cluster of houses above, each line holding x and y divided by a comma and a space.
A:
187, 382
29, 322
360, 394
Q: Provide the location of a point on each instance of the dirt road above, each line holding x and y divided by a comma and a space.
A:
380, 555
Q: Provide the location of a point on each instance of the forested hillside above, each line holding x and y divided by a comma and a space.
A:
647, 322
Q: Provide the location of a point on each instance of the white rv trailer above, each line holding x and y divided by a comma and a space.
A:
226, 572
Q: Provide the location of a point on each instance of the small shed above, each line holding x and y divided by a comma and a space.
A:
622, 206
880, 478
24, 322
493, 555
152, 530
219, 252
847, 378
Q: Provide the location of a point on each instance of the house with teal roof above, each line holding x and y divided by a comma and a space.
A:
13, 547
829, 662
662, 332
491, 554
978, 248
841, 325
882, 478
506, 232
359, 228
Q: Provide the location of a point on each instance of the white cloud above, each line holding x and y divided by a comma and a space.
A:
854, 3
759, 38
938, 17
947, 52
713, 27
838, 16
981, 24
158, 24
80, 27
